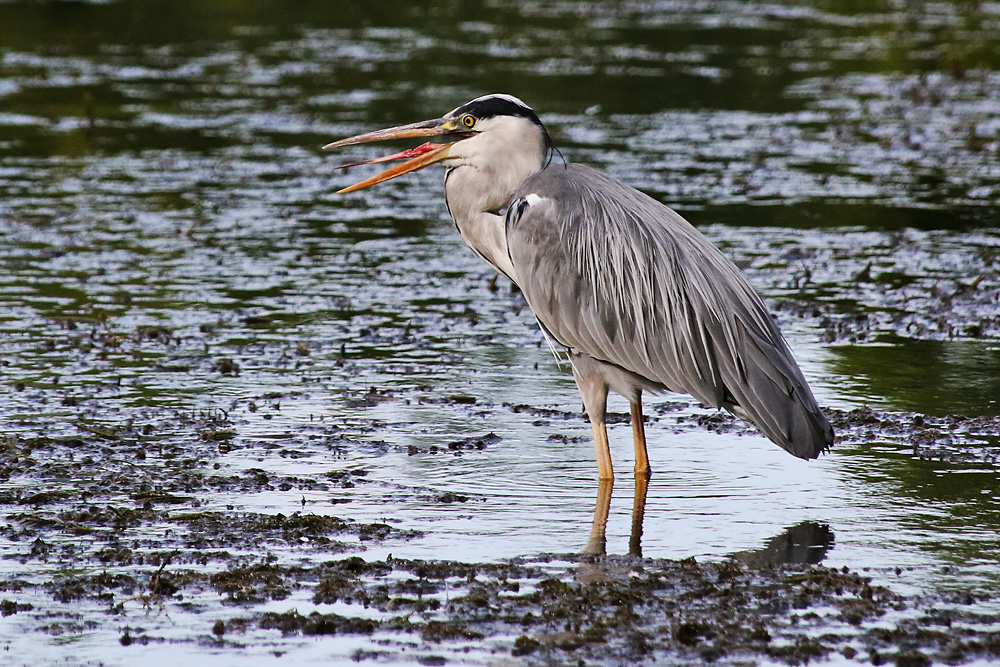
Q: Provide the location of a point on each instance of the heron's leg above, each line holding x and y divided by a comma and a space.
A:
639, 437
594, 391
602, 449
597, 544
638, 512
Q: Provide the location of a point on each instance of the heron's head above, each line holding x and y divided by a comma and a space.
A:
494, 133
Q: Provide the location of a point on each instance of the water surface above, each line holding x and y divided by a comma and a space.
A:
172, 245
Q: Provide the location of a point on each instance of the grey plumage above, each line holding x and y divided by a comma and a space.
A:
614, 275
638, 297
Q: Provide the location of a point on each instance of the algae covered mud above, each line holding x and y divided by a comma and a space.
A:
247, 421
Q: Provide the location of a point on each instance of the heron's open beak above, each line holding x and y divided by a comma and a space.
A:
416, 158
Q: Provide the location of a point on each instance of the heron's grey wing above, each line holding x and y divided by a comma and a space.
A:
616, 275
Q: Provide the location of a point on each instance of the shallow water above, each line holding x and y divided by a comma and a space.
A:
165, 213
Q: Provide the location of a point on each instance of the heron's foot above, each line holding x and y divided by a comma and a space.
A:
643, 473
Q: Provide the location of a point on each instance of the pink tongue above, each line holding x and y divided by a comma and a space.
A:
404, 155
415, 152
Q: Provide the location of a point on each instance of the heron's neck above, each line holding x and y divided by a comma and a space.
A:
477, 199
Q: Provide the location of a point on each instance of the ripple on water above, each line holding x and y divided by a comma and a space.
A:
184, 298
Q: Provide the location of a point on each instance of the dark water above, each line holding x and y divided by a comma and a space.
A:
165, 211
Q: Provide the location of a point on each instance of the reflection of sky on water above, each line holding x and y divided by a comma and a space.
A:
534, 490
161, 169
418, 321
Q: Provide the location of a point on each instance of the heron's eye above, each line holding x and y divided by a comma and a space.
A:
468, 121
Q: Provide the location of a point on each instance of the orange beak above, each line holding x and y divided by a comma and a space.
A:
416, 158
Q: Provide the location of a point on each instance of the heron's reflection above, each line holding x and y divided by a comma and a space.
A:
807, 542
598, 543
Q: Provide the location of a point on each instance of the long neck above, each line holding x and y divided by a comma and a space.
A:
477, 196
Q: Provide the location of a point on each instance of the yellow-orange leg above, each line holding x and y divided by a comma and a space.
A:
639, 438
598, 542
602, 449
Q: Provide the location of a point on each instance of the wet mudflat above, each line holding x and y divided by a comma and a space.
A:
246, 420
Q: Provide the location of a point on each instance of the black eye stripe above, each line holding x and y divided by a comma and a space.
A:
489, 107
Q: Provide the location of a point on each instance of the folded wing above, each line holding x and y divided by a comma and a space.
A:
616, 275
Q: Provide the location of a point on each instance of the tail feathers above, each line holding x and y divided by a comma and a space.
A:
806, 435
774, 396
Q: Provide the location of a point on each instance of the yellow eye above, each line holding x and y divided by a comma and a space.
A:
468, 121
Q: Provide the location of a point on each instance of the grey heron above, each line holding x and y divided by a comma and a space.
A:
636, 296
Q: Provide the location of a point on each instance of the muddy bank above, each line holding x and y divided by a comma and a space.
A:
583, 609
116, 539
262, 520
221, 384
627, 611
